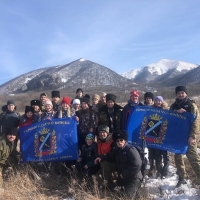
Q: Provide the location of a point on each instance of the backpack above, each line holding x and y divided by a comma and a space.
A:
143, 158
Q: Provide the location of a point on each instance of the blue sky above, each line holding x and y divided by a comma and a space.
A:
121, 35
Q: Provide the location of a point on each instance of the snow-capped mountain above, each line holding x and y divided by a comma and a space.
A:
79, 73
159, 70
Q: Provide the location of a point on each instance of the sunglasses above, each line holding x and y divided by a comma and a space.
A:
119, 140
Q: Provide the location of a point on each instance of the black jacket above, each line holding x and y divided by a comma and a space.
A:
128, 162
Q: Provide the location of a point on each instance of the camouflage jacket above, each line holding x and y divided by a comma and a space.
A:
8, 153
191, 107
88, 121
105, 119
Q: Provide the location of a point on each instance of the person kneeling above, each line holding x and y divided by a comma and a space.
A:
85, 163
128, 163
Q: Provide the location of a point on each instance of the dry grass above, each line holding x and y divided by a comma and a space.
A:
26, 184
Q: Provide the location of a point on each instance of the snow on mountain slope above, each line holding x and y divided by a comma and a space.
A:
159, 68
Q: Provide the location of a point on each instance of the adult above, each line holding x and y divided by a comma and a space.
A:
36, 106
79, 95
56, 100
184, 104
132, 103
128, 163
110, 113
11, 117
88, 121
9, 151
96, 105
148, 99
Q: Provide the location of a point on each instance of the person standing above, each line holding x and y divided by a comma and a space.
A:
56, 100
11, 117
109, 114
184, 104
148, 99
36, 106
132, 103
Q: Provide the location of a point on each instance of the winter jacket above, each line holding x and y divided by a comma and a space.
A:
56, 106
88, 120
128, 162
126, 111
89, 154
64, 113
110, 120
191, 107
105, 146
46, 115
24, 121
10, 120
8, 153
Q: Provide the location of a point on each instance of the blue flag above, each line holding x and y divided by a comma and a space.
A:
160, 129
54, 140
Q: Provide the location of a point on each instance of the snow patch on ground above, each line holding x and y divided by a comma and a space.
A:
165, 188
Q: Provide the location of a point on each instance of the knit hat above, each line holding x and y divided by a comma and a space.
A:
120, 134
181, 88
35, 103
55, 94
11, 131
135, 93
43, 94
89, 136
66, 100
111, 97
29, 109
103, 128
158, 98
148, 94
96, 96
10, 102
76, 101
78, 90
48, 102
4, 108
86, 100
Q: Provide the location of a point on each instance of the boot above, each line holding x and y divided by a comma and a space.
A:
181, 181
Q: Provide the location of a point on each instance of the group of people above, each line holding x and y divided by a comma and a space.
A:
102, 138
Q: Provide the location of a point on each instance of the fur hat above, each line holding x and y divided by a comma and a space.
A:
43, 94
78, 90
29, 109
11, 131
89, 136
135, 93
120, 134
159, 98
103, 128
148, 94
111, 97
96, 96
35, 103
86, 100
10, 102
87, 95
48, 102
55, 94
181, 88
76, 101
66, 100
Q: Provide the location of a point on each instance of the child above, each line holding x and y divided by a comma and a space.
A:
162, 171
28, 118
49, 113
89, 153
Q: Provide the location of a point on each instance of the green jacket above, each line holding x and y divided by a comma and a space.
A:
8, 153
